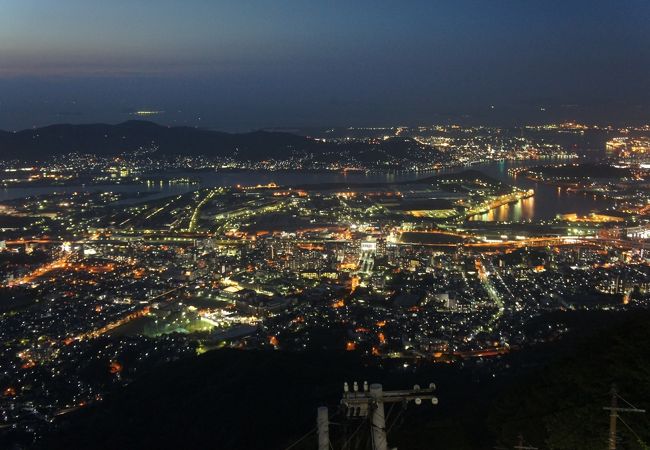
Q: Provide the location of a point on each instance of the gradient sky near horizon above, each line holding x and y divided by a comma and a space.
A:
244, 64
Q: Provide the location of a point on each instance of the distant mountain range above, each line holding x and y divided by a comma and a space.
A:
103, 139
107, 140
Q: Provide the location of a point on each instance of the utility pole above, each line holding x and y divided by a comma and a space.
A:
614, 409
613, 414
371, 401
378, 422
323, 425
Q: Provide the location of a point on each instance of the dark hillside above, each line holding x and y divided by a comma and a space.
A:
553, 394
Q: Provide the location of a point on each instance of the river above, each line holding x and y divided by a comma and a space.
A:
546, 204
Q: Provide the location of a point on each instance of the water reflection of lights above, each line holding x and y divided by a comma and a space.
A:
522, 210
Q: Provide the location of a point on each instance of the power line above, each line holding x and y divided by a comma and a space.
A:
399, 416
629, 404
305, 436
638, 438
347, 442
614, 416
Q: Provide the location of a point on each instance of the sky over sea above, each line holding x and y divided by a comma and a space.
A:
246, 64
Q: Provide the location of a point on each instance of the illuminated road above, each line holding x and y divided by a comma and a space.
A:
60, 263
162, 208
489, 245
493, 294
197, 210
153, 213
537, 242
366, 262
33, 241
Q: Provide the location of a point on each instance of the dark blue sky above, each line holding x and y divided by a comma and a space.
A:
241, 64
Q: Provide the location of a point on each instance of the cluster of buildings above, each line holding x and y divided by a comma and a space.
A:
97, 288
631, 150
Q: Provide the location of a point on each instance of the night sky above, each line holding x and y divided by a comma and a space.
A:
244, 64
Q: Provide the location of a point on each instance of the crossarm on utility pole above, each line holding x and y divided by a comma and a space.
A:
371, 402
633, 410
